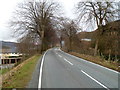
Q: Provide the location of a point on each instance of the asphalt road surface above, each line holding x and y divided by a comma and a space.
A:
61, 70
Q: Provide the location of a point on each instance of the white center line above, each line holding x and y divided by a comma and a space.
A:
59, 55
90, 62
95, 80
68, 61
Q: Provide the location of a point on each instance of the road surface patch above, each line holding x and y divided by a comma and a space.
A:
90, 62
95, 80
59, 55
68, 61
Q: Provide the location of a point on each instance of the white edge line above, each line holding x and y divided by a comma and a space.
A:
41, 67
68, 61
95, 80
92, 63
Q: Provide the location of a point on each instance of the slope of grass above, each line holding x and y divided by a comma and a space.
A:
3, 71
96, 59
22, 75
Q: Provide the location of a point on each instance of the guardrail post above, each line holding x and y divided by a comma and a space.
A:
3, 61
9, 61
15, 60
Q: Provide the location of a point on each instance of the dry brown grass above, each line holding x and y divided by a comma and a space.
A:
98, 60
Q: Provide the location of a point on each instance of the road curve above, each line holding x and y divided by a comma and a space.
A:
61, 70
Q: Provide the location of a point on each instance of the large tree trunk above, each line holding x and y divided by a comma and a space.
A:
61, 42
99, 34
42, 41
109, 58
70, 44
96, 48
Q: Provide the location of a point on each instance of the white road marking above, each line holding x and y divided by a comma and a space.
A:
59, 55
68, 61
90, 62
95, 80
41, 67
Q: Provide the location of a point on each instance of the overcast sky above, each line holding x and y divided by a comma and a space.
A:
6, 11
8, 6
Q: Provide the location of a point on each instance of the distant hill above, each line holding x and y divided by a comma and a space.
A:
113, 26
85, 35
109, 42
12, 46
110, 27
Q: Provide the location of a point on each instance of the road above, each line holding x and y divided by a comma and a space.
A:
61, 70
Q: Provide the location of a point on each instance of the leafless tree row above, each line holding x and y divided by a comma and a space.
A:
35, 17
42, 19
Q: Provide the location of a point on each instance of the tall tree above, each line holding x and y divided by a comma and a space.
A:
28, 45
99, 13
35, 17
69, 28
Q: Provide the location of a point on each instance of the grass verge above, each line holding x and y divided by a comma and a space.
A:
3, 71
22, 74
96, 59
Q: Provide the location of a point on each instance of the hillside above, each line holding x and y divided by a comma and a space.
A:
110, 27
12, 46
109, 41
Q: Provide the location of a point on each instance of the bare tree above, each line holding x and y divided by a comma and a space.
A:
35, 17
28, 45
69, 28
99, 13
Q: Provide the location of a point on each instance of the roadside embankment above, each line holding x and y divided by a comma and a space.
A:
98, 60
20, 75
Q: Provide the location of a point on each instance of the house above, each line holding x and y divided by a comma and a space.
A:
9, 53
